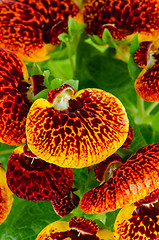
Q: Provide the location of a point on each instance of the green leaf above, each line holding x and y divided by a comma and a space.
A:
108, 73
107, 38
36, 69
124, 153
134, 44
80, 177
138, 139
55, 83
27, 219
64, 37
5, 152
99, 218
110, 219
60, 69
42, 94
155, 122
150, 134
74, 28
91, 181
85, 53
46, 75
60, 52
97, 40
133, 68
73, 83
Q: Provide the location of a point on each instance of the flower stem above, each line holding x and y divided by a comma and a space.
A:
58, 70
120, 52
140, 106
150, 108
70, 55
140, 115
8, 151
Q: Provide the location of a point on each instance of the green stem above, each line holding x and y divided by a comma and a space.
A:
140, 115
120, 52
54, 65
150, 108
140, 106
4, 152
70, 55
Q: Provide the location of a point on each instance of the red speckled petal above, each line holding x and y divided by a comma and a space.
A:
13, 67
55, 231
13, 112
26, 25
34, 179
6, 196
151, 198
93, 127
14, 104
137, 223
53, 11
129, 139
141, 55
128, 16
20, 30
133, 181
104, 170
147, 84
84, 225
37, 83
60, 230
116, 34
56, 30
64, 204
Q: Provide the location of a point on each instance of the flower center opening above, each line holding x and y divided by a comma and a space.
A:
61, 102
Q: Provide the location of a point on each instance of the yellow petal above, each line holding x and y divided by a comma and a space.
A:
91, 128
6, 196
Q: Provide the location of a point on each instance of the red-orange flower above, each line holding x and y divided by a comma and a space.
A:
147, 82
137, 223
123, 18
65, 203
16, 92
34, 179
133, 181
77, 228
30, 27
76, 129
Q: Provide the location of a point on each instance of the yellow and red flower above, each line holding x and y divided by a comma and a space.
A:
76, 129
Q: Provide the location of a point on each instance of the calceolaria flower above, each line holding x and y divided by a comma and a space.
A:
65, 203
16, 92
146, 84
131, 182
30, 28
77, 228
34, 179
76, 129
140, 222
122, 18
